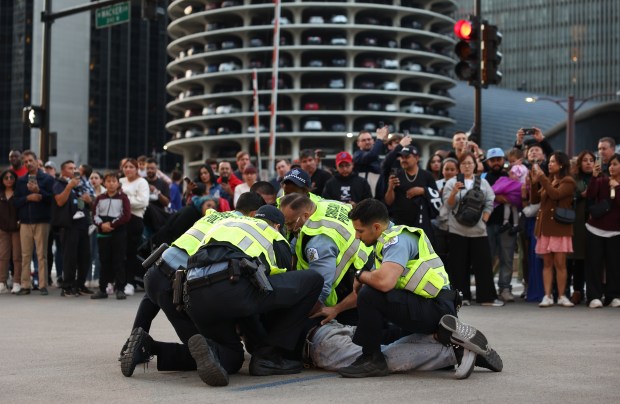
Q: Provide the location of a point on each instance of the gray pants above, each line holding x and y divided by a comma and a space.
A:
332, 348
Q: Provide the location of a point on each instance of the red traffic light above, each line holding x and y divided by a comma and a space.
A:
463, 30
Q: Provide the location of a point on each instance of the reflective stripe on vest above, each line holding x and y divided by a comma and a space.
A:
192, 239
246, 242
342, 234
424, 276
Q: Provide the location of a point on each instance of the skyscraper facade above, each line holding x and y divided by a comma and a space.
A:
556, 47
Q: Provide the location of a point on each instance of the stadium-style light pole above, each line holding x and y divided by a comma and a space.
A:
570, 110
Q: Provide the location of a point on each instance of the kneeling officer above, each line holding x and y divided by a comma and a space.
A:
226, 283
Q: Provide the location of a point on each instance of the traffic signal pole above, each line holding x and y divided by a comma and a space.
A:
476, 130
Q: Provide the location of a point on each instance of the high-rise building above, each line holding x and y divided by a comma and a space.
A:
107, 86
557, 48
15, 74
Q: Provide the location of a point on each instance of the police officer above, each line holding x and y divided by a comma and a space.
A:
325, 243
224, 285
297, 181
140, 346
409, 288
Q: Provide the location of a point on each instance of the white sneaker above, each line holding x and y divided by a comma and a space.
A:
16, 288
507, 296
615, 303
494, 303
595, 304
3, 289
466, 303
547, 301
467, 365
129, 289
109, 289
564, 302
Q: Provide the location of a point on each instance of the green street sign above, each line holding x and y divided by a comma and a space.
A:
112, 15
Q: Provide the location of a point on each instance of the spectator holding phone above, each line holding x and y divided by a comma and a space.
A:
603, 236
554, 239
228, 181
366, 159
469, 245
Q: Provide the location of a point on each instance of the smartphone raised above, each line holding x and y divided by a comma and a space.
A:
186, 179
460, 178
32, 178
394, 171
599, 161
76, 174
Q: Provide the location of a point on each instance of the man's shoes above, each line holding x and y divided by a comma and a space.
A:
493, 303
564, 302
505, 227
452, 330
99, 295
44, 292
3, 289
120, 295
129, 289
66, 292
22, 292
615, 302
466, 303
373, 365
138, 351
85, 291
466, 361
16, 288
506, 295
595, 304
123, 349
109, 289
547, 301
207, 361
273, 364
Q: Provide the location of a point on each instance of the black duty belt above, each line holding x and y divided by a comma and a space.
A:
231, 273
165, 268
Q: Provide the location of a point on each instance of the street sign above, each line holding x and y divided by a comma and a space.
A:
112, 15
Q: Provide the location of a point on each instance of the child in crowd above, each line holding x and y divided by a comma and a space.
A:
111, 212
510, 188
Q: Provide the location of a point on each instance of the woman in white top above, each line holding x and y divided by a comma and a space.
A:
469, 245
137, 190
249, 178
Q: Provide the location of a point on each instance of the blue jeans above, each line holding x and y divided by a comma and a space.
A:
502, 245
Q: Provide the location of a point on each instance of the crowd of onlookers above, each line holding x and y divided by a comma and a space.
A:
480, 209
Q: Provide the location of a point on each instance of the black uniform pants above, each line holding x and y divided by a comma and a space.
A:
411, 312
75, 256
170, 356
217, 308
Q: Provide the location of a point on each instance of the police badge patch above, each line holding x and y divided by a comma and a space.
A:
312, 254
391, 242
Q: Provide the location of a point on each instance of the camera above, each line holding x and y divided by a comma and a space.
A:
529, 131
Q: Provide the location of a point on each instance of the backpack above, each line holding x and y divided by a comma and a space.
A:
471, 206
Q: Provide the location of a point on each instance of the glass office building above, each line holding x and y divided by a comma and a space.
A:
556, 47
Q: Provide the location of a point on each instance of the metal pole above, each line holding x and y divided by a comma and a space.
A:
570, 126
45, 80
477, 128
275, 61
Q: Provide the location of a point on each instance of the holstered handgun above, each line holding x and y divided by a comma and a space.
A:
177, 288
154, 256
257, 275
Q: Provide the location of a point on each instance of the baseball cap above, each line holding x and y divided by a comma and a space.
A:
495, 152
271, 213
343, 157
298, 177
51, 164
408, 150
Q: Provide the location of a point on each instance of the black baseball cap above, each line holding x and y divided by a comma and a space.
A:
271, 213
409, 150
